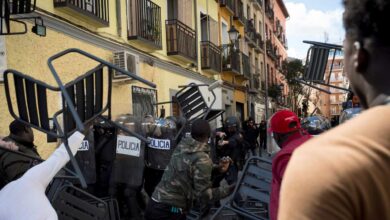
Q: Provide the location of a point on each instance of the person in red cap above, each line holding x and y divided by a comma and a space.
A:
289, 135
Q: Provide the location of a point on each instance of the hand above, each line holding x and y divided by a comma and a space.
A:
222, 143
224, 164
231, 187
220, 134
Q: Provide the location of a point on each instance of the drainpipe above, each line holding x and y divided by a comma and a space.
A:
265, 66
196, 34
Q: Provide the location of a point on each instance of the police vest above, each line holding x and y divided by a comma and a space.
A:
129, 161
160, 149
85, 158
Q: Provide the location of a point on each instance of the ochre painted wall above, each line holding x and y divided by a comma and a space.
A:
25, 54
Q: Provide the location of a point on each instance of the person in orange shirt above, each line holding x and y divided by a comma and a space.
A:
344, 174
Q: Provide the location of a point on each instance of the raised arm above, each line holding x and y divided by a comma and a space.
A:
45, 171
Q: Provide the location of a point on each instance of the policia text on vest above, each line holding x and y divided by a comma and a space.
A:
128, 145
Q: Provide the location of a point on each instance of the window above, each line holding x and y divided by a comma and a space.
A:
260, 27
143, 100
332, 99
224, 31
333, 110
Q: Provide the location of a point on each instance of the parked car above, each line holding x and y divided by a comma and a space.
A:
349, 113
316, 124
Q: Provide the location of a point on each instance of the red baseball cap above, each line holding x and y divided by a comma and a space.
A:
284, 121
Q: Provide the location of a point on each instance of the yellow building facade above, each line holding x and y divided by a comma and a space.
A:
169, 43
69, 28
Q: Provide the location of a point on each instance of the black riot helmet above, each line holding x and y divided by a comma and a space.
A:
232, 124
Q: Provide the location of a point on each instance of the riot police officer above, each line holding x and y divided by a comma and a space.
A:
163, 137
127, 173
85, 158
229, 143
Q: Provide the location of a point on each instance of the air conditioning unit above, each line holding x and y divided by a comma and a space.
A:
126, 61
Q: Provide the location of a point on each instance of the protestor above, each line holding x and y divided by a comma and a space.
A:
187, 178
25, 197
251, 134
344, 174
288, 135
263, 135
13, 166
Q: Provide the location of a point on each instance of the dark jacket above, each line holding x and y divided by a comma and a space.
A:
251, 134
13, 166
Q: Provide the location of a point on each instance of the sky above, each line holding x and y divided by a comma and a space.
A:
314, 20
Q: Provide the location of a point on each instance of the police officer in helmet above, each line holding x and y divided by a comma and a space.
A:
229, 143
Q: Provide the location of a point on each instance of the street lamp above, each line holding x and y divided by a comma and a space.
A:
233, 34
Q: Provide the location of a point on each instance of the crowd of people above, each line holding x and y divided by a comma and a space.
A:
341, 174
202, 158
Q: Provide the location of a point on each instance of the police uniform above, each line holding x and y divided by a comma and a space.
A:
86, 158
105, 149
162, 135
187, 179
128, 169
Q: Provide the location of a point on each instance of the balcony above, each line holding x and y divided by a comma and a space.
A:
230, 60
269, 12
145, 22
250, 33
254, 87
246, 66
262, 84
228, 4
239, 12
271, 51
181, 41
257, 4
210, 57
259, 46
97, 12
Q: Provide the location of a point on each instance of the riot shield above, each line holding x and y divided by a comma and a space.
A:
130, 151
161, 134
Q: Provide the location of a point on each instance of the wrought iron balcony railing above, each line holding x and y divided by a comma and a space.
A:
246, 66
257, 4
269, 12
262, 83
256, 82
96, 9
180, 39
239, 11
271, 51
250, 32
227, 3
230, 59
210, 56
145, 21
